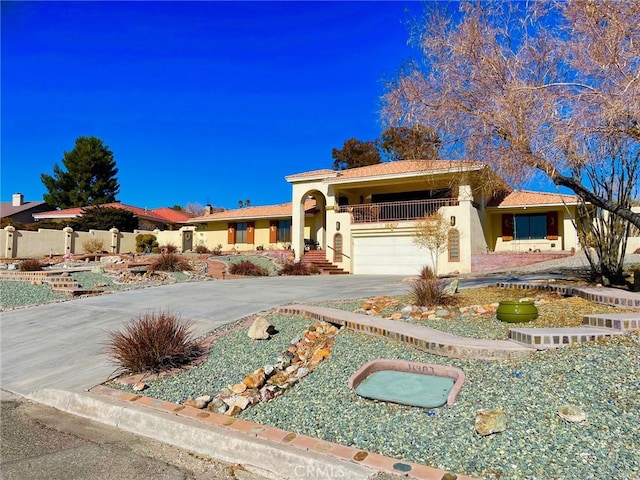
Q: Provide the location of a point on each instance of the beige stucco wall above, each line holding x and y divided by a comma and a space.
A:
25, 244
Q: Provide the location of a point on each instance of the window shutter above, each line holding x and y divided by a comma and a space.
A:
231, 234
250, 232
507, 227
552, 225
273, 231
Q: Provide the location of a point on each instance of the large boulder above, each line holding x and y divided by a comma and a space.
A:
260, 329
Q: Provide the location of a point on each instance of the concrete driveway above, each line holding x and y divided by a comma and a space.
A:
60, 345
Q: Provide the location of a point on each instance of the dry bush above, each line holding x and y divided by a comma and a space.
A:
168, 248
30, 265
93, 245
429, 293
293, 268
153, 342
202, 249
248, 268
170, 262
426, 273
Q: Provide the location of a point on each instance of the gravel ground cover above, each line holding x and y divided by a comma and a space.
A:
260, 260
554, 311
21, 294
602, 378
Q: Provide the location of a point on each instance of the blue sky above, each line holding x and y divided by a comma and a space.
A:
200, 102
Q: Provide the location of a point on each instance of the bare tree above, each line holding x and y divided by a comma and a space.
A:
432, 233
531, 87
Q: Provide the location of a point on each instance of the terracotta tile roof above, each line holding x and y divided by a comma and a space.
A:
326, 172
284, 210
77, 211
171, 215
389, 169
521, 198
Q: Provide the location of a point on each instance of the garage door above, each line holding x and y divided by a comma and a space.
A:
389, 255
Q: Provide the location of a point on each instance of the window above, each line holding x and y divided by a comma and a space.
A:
337, 247
241, 233
533, 226
454, 245
284, 231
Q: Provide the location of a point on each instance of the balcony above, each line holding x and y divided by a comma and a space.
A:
395, 211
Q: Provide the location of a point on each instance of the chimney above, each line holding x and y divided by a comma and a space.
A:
208, 210
18, 199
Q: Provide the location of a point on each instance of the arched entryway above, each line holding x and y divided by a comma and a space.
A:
309, 221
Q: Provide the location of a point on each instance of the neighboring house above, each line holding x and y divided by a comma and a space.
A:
159, 218
528, 221
366, 217
20, 211
248, 228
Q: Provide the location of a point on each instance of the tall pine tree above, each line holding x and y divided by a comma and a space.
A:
89, 179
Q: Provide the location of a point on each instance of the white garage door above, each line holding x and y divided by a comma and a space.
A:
389, 255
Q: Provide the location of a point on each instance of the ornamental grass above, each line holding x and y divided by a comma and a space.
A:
153, 342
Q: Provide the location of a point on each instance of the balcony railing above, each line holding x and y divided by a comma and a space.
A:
395, 211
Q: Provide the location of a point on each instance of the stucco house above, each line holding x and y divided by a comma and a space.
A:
162, 218
249, 228
18, 210
366, 217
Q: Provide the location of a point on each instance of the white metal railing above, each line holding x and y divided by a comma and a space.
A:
395, 211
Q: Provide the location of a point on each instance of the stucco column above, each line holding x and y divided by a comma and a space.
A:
114, 240
68, 231
10, 232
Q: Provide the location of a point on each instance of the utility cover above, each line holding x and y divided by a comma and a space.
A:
414, 389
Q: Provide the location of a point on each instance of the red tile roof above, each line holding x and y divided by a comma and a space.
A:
158, 215
171, 215
521, 198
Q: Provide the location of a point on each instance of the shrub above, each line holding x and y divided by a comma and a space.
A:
30, 265
426, 273
218, 249
202, 249
146, 242
170, 262
248, 268
293, 268
93, 246
153, 342
428, 293
168, 248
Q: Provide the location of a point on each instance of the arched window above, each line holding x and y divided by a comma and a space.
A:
337, 247
454, 245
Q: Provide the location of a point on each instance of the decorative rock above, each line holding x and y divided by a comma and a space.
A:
190, 402
268, 369
452, 288
255, 379
260, 329
139, 386
490, 421
239, 404
302, 372
396, 316
572, 413
442, 313
203, 398
217, 406
238, 388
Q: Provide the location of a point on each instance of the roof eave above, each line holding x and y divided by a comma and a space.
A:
393, 176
